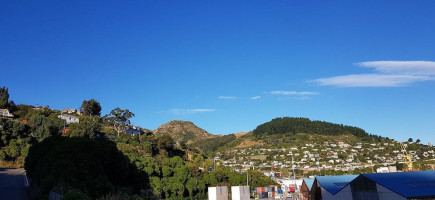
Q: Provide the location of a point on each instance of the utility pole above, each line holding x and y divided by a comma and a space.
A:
247, 178
294, 177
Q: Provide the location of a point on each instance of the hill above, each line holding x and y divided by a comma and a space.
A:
292, 125
183, 131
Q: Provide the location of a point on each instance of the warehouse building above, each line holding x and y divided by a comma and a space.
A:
394, 186
333, 187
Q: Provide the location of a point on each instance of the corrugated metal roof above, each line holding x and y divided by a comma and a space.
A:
309, 182
334, 184
407, 184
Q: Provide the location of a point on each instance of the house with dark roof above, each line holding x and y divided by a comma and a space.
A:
333, 187
394, 186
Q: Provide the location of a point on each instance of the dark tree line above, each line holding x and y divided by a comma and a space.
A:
291, 125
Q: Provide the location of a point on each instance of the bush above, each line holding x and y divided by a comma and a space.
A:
94, 167
75, 195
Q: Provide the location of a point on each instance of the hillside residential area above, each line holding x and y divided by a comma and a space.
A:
313, 157
217, 100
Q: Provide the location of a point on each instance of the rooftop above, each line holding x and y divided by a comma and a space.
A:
334, 184
407, 184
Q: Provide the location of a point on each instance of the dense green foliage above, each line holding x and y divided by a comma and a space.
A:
4, 97
15, 140
91, 108
173, 175
42, 126
89, 126
210, 145
17, 136
93, 167
304, 125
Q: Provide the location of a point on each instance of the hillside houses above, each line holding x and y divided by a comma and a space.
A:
340, 156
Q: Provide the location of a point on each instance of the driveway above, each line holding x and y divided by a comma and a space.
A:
12, 184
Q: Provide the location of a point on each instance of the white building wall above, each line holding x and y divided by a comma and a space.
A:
218, 193
386, 194
240, 193
344, 194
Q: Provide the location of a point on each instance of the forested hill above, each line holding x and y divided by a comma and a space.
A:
293, 125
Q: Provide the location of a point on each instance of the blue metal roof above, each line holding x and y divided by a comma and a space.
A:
309, 182
407, 184
334, 184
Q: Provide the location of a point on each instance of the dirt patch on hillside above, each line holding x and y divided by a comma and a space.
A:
250, 143
240, 134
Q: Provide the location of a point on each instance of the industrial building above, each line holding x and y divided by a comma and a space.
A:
394, 186
333, 187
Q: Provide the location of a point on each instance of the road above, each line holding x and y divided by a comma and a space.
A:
12, 184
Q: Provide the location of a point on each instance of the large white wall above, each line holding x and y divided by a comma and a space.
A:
386, 194
344, 194
240, 193
218, 193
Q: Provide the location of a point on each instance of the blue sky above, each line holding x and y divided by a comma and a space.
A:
228, 66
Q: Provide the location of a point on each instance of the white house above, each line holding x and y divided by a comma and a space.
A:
5, 113
69, 118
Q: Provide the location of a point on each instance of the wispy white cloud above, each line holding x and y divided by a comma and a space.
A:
288, 93
301, 98
388, 74
371, 80
227, 97
255, 97
190, 111
422, 68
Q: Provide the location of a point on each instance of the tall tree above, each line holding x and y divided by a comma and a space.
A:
4, 97
119, 118
91, 108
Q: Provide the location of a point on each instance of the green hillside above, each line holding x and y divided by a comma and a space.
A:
292, 125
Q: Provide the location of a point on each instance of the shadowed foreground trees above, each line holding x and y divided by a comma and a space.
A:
94, 167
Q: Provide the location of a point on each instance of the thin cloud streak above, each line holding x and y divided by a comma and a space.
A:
422, 68
371, 80
388, 74
288, 93
190, 111
255, 97
227, 97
